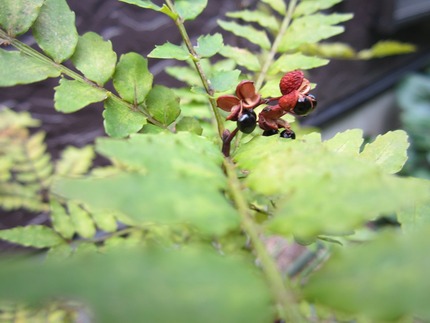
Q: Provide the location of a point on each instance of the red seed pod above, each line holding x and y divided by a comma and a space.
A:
291, 81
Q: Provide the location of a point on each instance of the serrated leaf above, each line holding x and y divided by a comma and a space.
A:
94, 57
277, 5
132, 78
209, 45
17, 68
241, 57
81, 220
388, 151
189, 124
224, 80
146, 285
75, 161
55, 30
386, 48
163, 105
169, 51
37, 236
347, 143
120, 121
392, 284
105, 221
312, 29
290, 62
13, 119
248, 32
17, 16
190, 9
262, 18
308, 7
72, 95
61, 221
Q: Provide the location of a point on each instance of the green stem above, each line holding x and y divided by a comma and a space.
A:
272, 53
196, 61
29, 51
281, 288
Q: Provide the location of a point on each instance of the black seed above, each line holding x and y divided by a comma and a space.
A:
313, 100
288, 134
247, 121
303, 106
270, 132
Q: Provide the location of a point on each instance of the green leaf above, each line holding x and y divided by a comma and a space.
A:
75, 161
416, 217
271, 89
189, 124
146, 286
72, 95
277, 5
143, 4
209, 45
163, 105
291, 62
17, 16
37, 236
105, 221
81, 220
312, 29
61, 221
346, 143
262, 18
389, 151
387, 48
120, 121
132, 78
242, 57
308, 7
190, 9
17, 68
169, 51
224, 80
55, 30
248, 32
393, 282
184, 74
331, 50
95, 58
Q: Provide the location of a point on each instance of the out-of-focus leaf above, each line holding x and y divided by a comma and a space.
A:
72, 95
17, 68
55, 30
17, 16
184, 74
81, 220
146, 286
75, 161
277, 5
120, 121
189, 124
132, 78
386, 48
308, 7
271, 89
258, 16
224, 80
209, 45
169, 51
291, 62
248, 32
242, 57
95, 58
346, 143
330, 50
384, 280
163, 105
37, 236
61, 221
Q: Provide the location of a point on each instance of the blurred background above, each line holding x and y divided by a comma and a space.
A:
376, 95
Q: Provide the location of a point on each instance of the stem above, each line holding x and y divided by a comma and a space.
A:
270, 57
196, 60
29, 51
280, 287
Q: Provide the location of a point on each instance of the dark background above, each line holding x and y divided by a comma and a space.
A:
342, 85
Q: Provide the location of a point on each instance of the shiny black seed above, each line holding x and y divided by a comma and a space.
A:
270, 132
247, 121
288, 134
303, 106
313, 100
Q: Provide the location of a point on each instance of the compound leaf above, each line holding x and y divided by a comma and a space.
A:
55, 30
94, 57
277, 5
61, 221
224, 80
120, 121
17, 16
169, 51
291, 62
248, 32
75, 161
163, 105
17, 68
37, 236
386, 48
308, 7
132, 78
190, 9
81, 220
241, 57
209, 45
72, 95
260, 17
